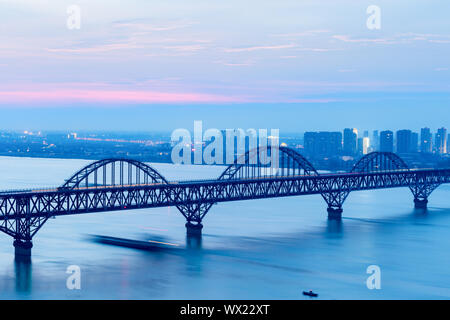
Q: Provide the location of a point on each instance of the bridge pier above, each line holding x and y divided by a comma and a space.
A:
194, 229
420, 203
22, 250
334, 213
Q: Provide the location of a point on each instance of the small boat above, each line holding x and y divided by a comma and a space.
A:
149, 245
310, 293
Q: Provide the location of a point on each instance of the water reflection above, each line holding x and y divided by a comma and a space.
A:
334, 228
420, 213
23, 273
194, 242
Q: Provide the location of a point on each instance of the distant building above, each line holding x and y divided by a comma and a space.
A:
448, 143
350, 141
414, 142
426, 140
375, 141
403, 141
310, 142
441, 141
360, 146
386, 141
366, 145
363, 145
323, 144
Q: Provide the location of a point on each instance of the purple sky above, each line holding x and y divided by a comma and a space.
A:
226, 53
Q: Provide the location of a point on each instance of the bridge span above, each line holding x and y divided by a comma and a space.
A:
125, 184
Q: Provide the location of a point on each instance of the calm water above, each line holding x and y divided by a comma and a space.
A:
259, 249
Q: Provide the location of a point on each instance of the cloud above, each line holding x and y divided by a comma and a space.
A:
138, 34
97, 49
110, 96
346, 38
133, 43
151, 25
236, 64
439, 41
399, 38
185, 48
256, 48
300, 34
318, 49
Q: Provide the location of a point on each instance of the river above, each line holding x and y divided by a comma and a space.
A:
258, 249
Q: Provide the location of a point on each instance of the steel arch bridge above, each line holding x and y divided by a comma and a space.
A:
388, 161
372, 162
254, 164
123, 184
379, 161
111, 172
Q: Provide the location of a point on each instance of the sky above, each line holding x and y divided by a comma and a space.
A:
159, 65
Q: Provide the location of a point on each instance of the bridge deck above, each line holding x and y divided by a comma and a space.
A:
63, 201
340, 175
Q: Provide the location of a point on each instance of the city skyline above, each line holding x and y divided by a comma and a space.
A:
328, 150
351, 140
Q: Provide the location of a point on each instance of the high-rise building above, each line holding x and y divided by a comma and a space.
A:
350, 141
366, 145
426, 138
403, 141
336, 143
448, 143
360, 146
375, 141
386, 141
363, 145
323, 144
441, 141
414, 142
310, 142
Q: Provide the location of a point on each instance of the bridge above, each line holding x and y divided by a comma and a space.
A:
125, 184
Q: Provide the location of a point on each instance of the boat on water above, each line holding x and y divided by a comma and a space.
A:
310, 293
149, 245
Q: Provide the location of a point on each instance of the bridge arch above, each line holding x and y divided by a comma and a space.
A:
379, 161
372, 162
251, 165
256, 163
121, 172
114, 172
388, 161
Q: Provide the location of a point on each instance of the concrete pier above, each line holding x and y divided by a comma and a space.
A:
335, 213
22, 250
194, 229
420, 204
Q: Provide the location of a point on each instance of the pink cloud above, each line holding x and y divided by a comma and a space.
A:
346, 38
255, 48
110, 96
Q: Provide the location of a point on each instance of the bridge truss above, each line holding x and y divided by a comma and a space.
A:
123, 184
